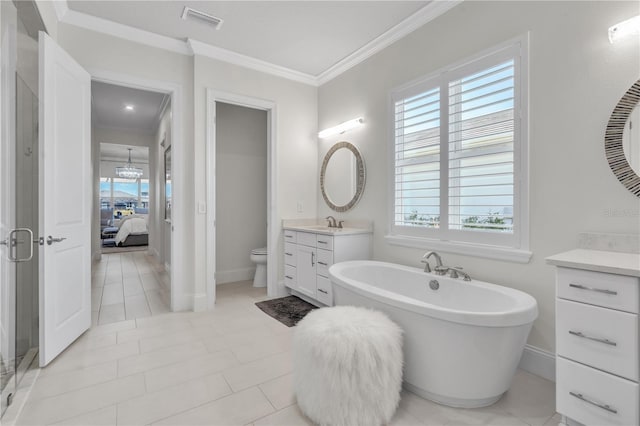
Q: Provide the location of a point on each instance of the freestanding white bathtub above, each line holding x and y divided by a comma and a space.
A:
462, 342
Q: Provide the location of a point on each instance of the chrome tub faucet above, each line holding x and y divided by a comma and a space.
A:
440, 269
425, 260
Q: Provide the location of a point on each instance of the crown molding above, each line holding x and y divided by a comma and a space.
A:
194, 47
204, 49
125, 32
407, 26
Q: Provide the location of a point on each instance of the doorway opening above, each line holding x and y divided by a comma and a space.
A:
221, 192
129, 135
241, 200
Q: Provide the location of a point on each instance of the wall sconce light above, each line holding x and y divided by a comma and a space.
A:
341, 128
624, 29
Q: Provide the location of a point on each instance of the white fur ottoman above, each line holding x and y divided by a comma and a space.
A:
347, 366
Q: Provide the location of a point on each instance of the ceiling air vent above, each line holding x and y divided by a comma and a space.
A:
189, 13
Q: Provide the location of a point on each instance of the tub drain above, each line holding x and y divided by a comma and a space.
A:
434, 285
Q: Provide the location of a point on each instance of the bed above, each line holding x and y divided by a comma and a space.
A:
133, 231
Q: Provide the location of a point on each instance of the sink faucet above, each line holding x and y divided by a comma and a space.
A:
425, 260
332, 221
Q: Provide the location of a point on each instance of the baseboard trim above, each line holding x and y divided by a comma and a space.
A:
539, 362
234, 275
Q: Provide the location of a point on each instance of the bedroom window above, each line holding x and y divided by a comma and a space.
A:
459, 157
124, 194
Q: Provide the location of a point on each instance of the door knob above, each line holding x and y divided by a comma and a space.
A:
51, 240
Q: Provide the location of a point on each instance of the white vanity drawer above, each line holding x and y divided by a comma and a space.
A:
325, 242
598, 288
289, 236
290, 276
290, 252
324, 293
603, 338
575, 381
306, 239
325, 260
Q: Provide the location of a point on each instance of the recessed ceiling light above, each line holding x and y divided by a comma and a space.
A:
128, 107
189, 13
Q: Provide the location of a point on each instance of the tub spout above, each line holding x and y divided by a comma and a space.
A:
425, 260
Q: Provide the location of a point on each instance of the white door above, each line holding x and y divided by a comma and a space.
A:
65, 199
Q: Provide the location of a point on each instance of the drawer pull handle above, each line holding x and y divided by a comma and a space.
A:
595, 339
322, 263
288, 277
322, 242
322, 291
288, 254
598, 290
288, 236
588, 401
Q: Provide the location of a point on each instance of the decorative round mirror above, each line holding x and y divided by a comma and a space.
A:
342, 177
622, 140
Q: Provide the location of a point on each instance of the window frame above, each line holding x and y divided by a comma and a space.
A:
512, 246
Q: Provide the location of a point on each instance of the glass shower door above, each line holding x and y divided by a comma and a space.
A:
8, 42
19, 26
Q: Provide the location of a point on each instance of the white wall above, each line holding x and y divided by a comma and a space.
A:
106, 55
576, 78
123, 137
49, 18
296, 163
296, 105
241, 189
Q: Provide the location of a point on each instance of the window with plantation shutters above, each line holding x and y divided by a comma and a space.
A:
459, 153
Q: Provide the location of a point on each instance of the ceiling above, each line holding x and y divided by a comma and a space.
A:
112, 151
305, 36
108, 107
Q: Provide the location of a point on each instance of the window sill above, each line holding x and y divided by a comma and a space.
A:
468, 249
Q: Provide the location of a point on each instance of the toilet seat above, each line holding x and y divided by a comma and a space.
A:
259, 251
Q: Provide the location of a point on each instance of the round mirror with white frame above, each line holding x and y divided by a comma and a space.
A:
342, 177
622, 140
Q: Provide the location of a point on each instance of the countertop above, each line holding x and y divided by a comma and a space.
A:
324, 230
598, 260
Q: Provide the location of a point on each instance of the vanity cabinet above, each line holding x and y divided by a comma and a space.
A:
308, 256
597, 341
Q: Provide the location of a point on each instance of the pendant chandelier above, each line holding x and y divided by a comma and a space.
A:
129, 171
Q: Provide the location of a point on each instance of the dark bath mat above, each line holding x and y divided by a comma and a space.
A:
288, 310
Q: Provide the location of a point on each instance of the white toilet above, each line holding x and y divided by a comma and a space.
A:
259, 257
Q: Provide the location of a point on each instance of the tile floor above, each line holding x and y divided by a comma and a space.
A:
231, 366
126, 286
